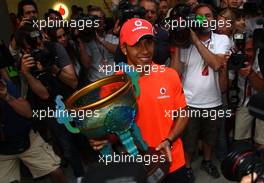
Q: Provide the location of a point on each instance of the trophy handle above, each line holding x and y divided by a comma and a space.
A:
138, 137
127, 141
62, 115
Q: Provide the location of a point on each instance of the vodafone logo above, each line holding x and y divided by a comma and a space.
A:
162, 91
138, 23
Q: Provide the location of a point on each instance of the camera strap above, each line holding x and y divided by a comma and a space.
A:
245, 91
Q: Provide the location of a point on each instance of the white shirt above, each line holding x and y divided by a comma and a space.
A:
202, 91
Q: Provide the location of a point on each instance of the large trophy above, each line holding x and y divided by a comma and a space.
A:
112, 101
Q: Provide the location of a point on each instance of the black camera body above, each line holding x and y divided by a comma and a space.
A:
126, 11
89, 32
181, 36
45, 57
237, 60
243, 158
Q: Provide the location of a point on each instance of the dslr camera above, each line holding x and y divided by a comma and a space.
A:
243, 158
180, 35
88, 33
237, 60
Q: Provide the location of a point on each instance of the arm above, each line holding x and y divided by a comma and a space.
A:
223, 79
215, 61
85, 59
20, 105
175, 59
176, 131
37, 87
109, 46
63, 68
178, 127
66, 75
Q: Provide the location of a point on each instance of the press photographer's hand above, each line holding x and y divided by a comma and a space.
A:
194, 37
24, 21
27, 63
246, 70
165, 148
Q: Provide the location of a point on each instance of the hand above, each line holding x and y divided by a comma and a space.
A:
3, 90
194, 37
27, 63
117, 27
246, 70
97, 144
165, 148
24, 21
247, 179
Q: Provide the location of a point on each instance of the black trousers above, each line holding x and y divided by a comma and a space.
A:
178, 176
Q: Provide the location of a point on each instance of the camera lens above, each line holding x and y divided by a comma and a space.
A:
241, 161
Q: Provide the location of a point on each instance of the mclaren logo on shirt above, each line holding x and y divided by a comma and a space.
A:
163, 92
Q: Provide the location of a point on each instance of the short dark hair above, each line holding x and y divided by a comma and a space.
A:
21, 4
52, 11
201, 5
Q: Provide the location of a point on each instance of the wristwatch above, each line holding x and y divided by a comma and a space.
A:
169, 140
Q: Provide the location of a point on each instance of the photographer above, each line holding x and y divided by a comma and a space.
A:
250, 81
19, 142
27, 11
101, 48
204, 77
45, 81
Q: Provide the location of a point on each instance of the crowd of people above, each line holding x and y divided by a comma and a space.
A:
61, 60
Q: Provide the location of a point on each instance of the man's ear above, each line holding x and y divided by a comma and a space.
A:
124, 49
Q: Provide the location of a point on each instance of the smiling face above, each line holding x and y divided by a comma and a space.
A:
139, 54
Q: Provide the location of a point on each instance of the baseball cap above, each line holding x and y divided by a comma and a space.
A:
134, 29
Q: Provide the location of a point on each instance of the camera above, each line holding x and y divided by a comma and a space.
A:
44, 57
88, 33
180, 34
241, 161
126, 11
242, 158
237, 60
